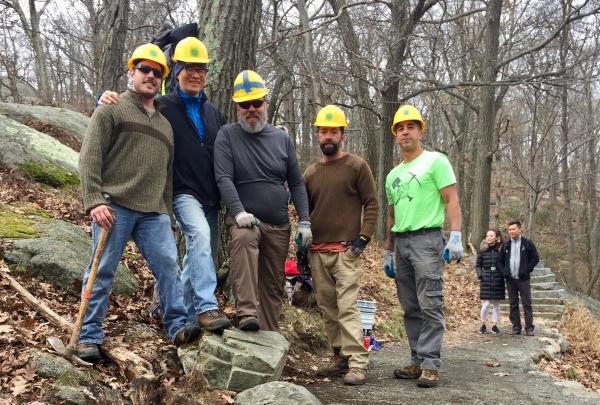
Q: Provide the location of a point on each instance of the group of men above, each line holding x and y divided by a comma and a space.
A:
149, 164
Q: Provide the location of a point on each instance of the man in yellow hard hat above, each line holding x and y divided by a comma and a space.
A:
340, 180
419, 190
253, 162
126, 166
196, 198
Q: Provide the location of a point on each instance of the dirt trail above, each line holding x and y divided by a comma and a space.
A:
465, 378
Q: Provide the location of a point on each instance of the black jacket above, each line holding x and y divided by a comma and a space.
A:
491, 279
193, 164
529, 258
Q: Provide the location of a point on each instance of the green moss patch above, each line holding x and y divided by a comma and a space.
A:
18, 222
304, 329
49, 174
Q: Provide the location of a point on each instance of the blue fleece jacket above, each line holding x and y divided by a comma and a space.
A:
193, 107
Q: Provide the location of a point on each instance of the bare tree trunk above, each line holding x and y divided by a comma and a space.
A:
483, 159
564, 132
113, 31
32, 30
229, 29
403, 24
361, 89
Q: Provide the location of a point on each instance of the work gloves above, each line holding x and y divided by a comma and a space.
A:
359, 244
454, 248
245, 220
388, 264
303, 236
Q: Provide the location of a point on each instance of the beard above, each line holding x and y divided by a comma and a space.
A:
255, 127
330, 148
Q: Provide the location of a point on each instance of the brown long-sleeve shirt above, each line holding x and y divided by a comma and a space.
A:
342, 199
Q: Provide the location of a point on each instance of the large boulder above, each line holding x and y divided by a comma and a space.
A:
62, 118
59, 253
237, 360
21, 145
276, 392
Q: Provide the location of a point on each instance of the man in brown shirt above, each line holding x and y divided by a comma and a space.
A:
341, 192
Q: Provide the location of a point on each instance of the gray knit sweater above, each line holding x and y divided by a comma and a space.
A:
129, 156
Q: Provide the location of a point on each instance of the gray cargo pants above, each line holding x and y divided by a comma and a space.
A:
419, 284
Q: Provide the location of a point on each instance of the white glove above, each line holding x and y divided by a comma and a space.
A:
303, 235
454, 246
245, 220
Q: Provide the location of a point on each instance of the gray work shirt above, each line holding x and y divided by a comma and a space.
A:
515, 257
251, 171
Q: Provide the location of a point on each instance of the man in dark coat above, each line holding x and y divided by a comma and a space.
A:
517, 260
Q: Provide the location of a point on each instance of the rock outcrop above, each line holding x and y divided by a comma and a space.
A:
62, 118
276, 392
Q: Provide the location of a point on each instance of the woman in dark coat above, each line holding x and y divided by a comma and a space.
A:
491, 287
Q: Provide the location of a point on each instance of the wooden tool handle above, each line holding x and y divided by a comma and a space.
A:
87, 293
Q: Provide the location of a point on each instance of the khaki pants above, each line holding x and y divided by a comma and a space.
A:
257, 263
335, 277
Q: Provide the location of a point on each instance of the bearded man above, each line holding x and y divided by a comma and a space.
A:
253, 162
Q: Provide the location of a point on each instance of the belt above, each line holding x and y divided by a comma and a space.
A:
421, 231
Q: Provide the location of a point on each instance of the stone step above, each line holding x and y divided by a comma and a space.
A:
539, 307
549, 301
553, 285
541, 271
557, 293
539, 315
545, 278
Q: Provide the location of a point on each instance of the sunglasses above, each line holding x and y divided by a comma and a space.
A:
254, 103
147, 69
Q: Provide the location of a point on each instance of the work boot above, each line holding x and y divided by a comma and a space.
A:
428, 378
495, 330
515, 331
187, 335
483, 329
89, 352
408, 373
337, 365
356, 376
213, 320
248, 323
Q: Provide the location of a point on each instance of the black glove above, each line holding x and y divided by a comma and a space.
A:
303, 265
359, 244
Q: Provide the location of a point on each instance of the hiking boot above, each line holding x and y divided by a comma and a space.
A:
495, 330
530, 333
428, 378
408, 373
89, 352
248, 323
483, 329
337, 365
356, 376
187, 335
515, 332
213, 320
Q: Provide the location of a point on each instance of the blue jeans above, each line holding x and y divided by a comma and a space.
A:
153, 236
199, 277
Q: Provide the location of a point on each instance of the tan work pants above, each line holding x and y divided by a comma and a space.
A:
335, 278
257, 263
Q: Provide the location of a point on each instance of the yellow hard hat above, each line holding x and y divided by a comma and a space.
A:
149, 52
248, 85
407, 113
191, 50
331, 116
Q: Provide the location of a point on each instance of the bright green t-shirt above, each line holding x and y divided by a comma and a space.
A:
413, 189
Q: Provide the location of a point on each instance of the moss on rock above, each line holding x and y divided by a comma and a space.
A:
17, 222
49, 174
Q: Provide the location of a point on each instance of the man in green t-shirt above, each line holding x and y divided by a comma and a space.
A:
340, 181
418, 190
